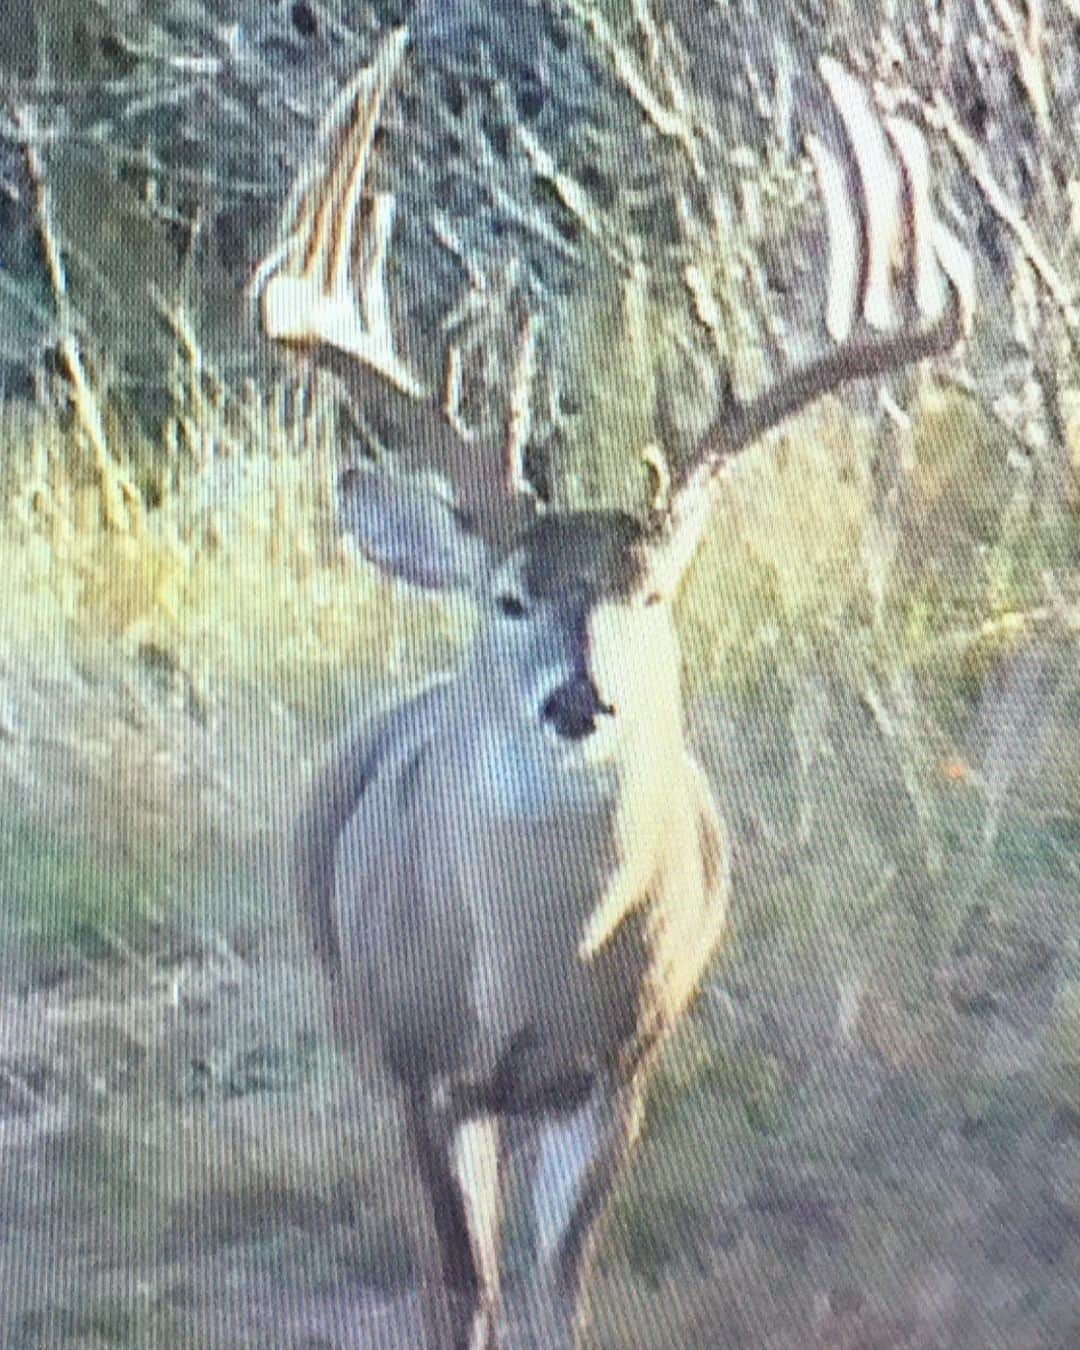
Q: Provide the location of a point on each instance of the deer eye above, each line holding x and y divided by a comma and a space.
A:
511, 605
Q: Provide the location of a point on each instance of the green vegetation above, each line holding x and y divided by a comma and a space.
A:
58, 900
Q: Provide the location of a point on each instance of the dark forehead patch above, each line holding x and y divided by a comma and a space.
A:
597, 552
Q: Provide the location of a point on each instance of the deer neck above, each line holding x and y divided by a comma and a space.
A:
525, 777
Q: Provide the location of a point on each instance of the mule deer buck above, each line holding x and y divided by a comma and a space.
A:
517, 879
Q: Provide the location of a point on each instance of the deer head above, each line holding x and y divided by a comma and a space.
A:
574, 602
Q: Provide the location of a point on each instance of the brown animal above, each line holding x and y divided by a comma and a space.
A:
517, 879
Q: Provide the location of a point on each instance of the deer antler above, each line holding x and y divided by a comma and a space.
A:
325, 282
900, 288
324, 285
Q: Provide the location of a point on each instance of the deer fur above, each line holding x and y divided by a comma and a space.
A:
517, 879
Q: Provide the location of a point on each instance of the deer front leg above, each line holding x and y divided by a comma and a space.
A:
581, 1240
477, 1154
451, 1287
573, 1162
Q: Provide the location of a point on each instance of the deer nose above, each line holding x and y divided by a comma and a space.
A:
571, 710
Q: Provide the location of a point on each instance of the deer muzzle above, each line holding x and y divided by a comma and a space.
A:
571, 709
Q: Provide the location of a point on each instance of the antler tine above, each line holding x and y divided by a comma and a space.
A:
488, 466
520, 414
900, 289
309, 292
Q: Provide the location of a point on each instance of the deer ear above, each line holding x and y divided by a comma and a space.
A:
410, 529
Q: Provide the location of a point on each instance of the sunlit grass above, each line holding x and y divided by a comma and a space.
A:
235, 567
235, 570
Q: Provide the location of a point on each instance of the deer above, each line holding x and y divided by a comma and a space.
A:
517, 880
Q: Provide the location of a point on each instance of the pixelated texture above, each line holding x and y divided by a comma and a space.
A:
868, 1132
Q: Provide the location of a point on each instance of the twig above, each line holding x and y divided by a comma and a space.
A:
1026, 39
188, 349
451, 392
120, 498
667, 122
941, 116
650, 35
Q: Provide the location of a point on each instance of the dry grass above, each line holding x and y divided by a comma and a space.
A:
164, 691
236, 572
191, 666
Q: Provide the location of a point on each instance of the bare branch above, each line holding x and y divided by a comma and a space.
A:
1025, 33
519, 425
120, 498
940, 115
668, 122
